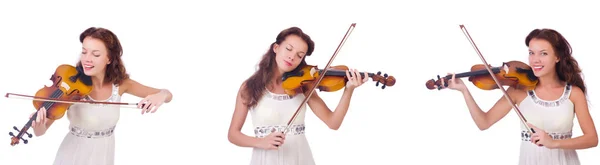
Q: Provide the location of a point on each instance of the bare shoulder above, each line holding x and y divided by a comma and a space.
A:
125, 84
517, 94
576, 94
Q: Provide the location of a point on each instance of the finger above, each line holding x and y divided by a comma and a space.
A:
39, 116
348, 75
141, 104
146, 107
357, 73
43, 116
443, 83
155, 108
366, 77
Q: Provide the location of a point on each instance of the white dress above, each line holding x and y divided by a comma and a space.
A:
272, 113
556, 118
90, 140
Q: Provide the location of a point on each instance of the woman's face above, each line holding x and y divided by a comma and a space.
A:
542, 57
290, 53
94, 57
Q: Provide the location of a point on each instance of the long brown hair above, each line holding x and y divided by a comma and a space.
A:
256, 84
115, 71
567, 67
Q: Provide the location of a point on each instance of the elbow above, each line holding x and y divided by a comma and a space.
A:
483, 127
334, 126
231, 138
595, 142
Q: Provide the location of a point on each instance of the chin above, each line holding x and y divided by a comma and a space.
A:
89, 73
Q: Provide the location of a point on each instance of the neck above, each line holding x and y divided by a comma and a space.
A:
549, 81
98, 81
277, 75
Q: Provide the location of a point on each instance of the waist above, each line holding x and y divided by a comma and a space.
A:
294, 129
526, 135
80, 132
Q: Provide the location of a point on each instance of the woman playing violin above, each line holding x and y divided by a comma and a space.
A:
91, 139
263, 96
550, 107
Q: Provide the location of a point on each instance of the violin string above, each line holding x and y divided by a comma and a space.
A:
521, 117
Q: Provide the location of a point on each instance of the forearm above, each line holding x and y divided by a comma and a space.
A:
581, 142
479, 117
242, 140
337, 117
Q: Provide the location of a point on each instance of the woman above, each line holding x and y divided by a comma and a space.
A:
91, 139
549, 108
263, 96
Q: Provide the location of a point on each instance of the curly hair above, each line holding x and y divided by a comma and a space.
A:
115, 71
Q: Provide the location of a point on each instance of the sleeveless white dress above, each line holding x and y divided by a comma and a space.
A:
90, 140
272, 113
556, 118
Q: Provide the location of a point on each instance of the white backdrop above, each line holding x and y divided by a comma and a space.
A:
203, 51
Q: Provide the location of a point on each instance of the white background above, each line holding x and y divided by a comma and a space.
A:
402, 124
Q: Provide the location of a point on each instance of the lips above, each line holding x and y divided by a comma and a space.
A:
288, 63
537, 68
87, 66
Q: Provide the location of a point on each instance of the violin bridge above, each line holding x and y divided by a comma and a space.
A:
313, 71
65, 85
506, 69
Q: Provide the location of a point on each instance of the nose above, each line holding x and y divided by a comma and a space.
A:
85, 58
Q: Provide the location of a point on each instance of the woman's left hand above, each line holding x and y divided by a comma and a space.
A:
151, 103
543, 137
355, 79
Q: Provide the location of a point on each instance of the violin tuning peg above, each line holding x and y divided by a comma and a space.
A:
11, 134
25, 141
29, 135
383, 86
379, 73
377, 84
385, 75
15, 128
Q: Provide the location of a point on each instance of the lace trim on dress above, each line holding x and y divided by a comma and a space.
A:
553, 103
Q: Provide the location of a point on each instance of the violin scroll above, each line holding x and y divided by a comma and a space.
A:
15, 139
385, 80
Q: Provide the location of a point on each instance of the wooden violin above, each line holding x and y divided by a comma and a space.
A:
304, 78
513, 73
69, 86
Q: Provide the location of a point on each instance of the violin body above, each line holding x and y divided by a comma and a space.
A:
305, 77
513, 73
69, 83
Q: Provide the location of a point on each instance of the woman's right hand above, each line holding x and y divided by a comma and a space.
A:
454, 83
39, 124
272, 141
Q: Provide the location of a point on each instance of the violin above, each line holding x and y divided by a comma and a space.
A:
513, 73
303, 78
69, 86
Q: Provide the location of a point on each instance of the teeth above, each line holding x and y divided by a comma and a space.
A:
538, 67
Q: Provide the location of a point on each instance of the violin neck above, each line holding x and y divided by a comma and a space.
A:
342, 73
495, 70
